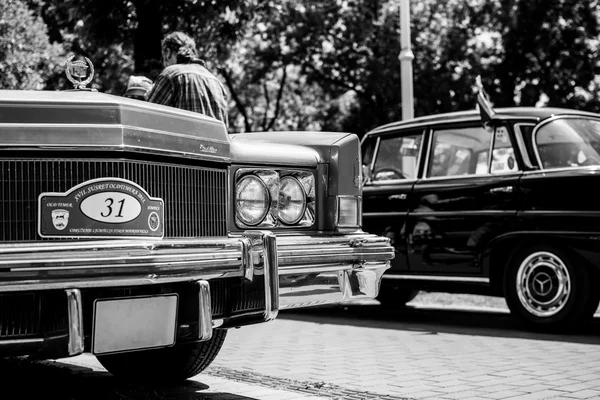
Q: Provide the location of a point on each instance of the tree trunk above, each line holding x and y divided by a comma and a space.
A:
147, 38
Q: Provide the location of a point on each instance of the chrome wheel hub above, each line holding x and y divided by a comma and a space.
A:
543, 284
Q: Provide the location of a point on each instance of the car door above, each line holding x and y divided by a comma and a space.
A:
468, 196
391, 164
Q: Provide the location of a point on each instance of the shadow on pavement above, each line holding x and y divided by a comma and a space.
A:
434, 321
24, 379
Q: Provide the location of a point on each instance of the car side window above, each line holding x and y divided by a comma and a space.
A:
459, 151
397, 158
503, 152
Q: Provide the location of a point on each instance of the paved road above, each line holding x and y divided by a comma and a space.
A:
359, 352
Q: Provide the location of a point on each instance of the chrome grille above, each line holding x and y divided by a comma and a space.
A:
231, 296
195, 197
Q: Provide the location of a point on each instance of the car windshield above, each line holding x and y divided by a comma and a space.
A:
569, 142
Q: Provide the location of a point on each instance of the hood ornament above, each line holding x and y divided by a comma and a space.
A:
80, 72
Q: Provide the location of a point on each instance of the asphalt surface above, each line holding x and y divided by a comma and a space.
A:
355, 352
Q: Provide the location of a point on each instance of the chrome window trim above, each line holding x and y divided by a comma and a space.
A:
545, 122
393, 182
423, 174
491, 149
473, 118
472, 176
375, 151
520, 141
564, 169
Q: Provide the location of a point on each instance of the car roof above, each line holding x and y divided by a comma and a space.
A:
539, 113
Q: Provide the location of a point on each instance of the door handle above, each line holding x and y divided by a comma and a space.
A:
397, 196
503, 189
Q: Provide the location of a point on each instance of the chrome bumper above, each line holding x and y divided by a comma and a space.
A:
323, 270
298, 271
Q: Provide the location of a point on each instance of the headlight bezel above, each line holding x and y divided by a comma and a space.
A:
304, 200
271, 177
238, 215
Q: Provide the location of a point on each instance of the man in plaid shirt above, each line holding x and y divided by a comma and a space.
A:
185, 82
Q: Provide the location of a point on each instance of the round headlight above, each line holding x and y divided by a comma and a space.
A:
292, 200
252, 200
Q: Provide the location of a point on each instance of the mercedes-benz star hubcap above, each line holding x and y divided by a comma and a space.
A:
543, 284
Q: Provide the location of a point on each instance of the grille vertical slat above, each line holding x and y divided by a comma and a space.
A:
189, 210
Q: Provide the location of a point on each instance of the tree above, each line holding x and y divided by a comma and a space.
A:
551, 47
26, 56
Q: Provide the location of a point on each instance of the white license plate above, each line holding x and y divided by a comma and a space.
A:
135, 323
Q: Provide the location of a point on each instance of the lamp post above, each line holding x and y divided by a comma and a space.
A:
406, 57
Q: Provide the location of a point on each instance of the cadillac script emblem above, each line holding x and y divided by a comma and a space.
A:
79, 71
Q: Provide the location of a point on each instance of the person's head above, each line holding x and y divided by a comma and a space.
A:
178, 48
137, 87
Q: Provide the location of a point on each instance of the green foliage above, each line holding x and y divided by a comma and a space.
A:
26, 56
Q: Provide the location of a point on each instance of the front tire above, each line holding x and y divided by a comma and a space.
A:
168, 365
546, 289
392, 296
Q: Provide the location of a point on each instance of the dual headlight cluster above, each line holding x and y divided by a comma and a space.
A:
274, 198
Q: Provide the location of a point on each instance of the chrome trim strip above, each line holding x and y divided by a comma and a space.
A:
8, 343
75, 322
308, 268
463, 212
248, 262
116, 126
117, 145
437, 278
205, 326
79, 283
391, 182
46, 265
386, 214
264, 249
271, 273
295, 252
559, 213
591, 168
545, 122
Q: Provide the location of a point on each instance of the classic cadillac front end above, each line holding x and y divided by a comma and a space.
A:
140, 233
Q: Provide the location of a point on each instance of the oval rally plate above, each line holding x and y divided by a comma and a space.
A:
101, 208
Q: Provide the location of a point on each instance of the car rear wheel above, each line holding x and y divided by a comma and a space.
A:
167, 365
545, 289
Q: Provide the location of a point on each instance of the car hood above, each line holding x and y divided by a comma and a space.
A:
285, 147
81, 119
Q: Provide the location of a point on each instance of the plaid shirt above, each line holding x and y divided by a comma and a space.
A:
190, 87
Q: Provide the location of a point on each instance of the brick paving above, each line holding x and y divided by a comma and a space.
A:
363, 353
386, 355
